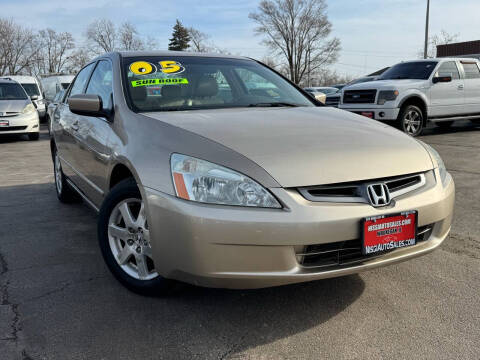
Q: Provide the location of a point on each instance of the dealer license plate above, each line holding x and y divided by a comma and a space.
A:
388, 232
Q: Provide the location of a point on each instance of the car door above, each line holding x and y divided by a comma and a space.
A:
447, 98
65, 127
93, 133
472, 87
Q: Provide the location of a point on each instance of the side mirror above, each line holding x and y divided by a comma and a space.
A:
88, 105
34, 97
442, 79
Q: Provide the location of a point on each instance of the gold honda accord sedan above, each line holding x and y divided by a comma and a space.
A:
217, 171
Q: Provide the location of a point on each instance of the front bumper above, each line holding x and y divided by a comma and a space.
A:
233, 247
20, 124
379, 113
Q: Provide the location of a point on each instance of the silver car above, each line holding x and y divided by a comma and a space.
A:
216, 171
18, 114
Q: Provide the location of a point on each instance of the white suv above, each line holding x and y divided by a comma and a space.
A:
411, 93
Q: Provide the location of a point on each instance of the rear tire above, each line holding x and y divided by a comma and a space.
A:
410, 120
64, 192
34, 136
444, 124
124, 240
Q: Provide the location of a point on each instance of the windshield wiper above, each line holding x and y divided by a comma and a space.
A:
273, 104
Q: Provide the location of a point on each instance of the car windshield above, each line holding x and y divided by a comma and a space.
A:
31, 89
420, 70
176, 83
12, 92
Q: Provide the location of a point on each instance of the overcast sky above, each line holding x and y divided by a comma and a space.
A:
373, 33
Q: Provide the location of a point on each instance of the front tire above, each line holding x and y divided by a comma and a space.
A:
410, 120
124, 240
34, 136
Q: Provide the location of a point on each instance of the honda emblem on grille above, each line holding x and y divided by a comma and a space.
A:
378, 194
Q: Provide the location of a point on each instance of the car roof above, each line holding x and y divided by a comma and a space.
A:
7, 80
22, 78
441, 59
171, 53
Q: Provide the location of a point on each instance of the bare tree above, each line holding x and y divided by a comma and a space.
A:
438, 39
199, 40
19, 48
55, 50
298, 30
129, 38
102, 34
78, 59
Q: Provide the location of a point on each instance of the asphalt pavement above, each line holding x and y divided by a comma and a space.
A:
59, 301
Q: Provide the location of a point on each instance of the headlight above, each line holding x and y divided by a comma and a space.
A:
28, 109
202, 181
440, 164
386, 95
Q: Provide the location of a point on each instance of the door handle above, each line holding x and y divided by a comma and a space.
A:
460, 87
75, 126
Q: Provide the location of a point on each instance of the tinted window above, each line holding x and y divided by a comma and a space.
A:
81, 80
471, 70
12, 92
420, 70
191, 83
31, 89
449, 67
101, 83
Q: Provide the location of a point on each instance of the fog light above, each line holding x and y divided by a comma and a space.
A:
382, 114
367, 114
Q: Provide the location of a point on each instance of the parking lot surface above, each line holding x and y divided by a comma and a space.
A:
59, 301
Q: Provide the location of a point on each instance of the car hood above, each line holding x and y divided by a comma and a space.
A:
388, 84
307, 145
13, 105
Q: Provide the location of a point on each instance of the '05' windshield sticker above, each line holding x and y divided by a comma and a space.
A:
171, 67
142, 68
152, 82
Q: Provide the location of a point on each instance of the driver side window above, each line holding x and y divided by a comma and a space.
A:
101, 83
79, 85
449, 67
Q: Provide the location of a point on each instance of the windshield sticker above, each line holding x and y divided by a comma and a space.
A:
142, 68
152, 82
171, 67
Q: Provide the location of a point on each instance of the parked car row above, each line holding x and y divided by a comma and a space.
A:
216, 171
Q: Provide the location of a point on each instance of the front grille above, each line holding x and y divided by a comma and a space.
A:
345, 252
333, 100
356, 192
13, 128
359, 96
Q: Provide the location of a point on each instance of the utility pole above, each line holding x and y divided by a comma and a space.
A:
425, 52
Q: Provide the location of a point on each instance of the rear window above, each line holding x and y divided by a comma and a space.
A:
471, 70
192, 83
420, 70
12, 92
31, 89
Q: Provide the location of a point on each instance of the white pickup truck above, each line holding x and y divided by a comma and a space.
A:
413, 92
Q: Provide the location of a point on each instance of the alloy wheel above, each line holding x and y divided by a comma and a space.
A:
58, 174
412, 122
129, 239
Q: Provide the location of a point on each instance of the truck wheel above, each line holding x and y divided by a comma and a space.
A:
410, 120
124, 240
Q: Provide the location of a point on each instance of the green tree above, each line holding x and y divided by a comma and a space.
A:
180, 38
